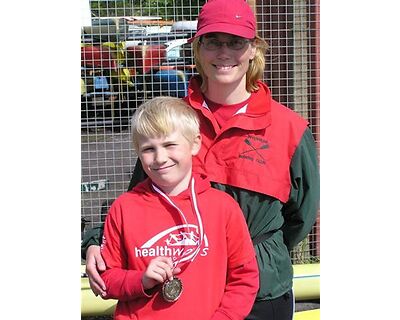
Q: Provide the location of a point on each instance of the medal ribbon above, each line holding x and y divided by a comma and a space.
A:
198, 216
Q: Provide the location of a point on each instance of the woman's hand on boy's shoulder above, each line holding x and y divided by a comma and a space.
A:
94, 265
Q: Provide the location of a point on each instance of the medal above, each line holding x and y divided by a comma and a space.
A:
172, 289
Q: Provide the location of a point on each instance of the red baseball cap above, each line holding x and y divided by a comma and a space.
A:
227, 16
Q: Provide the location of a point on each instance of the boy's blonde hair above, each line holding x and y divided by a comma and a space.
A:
256, 66
161, 116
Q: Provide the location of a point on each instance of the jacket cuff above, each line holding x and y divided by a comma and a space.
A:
92, 237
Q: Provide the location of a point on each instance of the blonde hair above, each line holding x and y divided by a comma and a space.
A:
256, 66
161, 116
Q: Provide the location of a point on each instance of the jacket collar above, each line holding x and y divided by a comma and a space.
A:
256, 116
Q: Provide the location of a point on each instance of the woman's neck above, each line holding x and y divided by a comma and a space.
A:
227, 93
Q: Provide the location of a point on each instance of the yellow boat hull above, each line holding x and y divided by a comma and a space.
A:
307, 315
305, 286
92, 305
306, 281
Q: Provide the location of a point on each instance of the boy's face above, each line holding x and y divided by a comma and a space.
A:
167, 160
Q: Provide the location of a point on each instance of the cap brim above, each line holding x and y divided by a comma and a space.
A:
235, 30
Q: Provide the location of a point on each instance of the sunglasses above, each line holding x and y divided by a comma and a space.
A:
213, 44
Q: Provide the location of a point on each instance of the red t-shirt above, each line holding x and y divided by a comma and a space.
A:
223, 113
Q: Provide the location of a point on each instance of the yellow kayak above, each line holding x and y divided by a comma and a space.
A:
307, 315
92, 305
306, 281
305, 286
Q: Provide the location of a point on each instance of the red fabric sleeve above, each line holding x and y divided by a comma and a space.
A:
122, 284
240, 292
239, 244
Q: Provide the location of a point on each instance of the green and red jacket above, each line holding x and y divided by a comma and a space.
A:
264, 157
253, 150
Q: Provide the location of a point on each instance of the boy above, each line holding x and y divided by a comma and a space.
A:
174, 247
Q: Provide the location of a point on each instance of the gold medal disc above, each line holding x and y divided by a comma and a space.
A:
172, 289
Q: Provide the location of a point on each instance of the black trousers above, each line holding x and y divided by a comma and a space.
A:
281, 308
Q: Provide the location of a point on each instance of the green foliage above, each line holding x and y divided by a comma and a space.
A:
167, 9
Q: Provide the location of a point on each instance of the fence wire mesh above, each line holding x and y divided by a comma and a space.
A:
134, 50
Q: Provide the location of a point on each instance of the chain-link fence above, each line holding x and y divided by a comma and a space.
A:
135, 50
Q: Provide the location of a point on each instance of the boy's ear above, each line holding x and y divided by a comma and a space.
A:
196, 145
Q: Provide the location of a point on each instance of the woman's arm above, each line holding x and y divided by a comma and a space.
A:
92, 239
301, 209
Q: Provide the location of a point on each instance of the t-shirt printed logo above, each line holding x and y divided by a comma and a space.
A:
182, 239
254, 149
178, 242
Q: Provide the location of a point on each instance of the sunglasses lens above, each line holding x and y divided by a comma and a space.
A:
237, 44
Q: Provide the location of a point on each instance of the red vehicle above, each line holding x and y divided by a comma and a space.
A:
109, 100
145, 58
157, 72
98, 99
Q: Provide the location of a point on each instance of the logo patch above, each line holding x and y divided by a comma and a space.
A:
177, 242
254, 152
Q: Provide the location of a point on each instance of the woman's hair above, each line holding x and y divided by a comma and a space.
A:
256, 66
161, 116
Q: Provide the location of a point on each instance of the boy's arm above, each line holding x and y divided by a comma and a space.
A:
300, 211
242, 281
122, 284
240, 292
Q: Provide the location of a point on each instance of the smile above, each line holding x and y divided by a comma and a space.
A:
163, 168
219, 67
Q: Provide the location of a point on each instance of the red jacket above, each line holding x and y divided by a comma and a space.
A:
221, 282
251, 151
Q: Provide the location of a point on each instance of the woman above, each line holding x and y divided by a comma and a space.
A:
253, 148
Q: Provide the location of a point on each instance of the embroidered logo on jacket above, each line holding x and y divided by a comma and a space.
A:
254, 152
177, 242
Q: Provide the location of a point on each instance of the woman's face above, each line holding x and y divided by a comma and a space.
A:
225, 63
